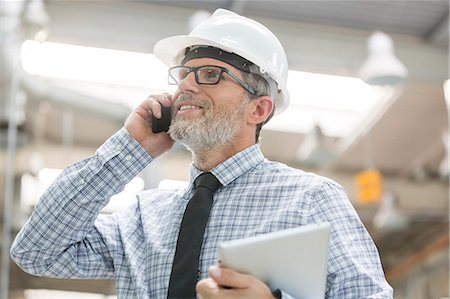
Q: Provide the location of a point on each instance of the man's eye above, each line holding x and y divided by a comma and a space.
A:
213, 74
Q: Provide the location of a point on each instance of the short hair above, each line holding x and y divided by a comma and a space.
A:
262, 88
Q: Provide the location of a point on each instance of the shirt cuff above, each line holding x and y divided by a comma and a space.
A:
123, 155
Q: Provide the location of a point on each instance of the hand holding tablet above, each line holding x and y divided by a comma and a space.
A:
292, 260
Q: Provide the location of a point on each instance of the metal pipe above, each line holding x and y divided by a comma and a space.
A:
73, 100
9, 180
10, 34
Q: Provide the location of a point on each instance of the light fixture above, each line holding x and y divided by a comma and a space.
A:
382, 67
36, 20
316, 149
338, 104
444, 166
98, 65
447, 93
389, 218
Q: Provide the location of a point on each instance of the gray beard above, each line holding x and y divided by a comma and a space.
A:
212, 130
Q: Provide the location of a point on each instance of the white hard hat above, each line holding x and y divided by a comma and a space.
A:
235, 34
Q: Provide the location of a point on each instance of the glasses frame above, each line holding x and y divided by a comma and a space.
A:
195, 70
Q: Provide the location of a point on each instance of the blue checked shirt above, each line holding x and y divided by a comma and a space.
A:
66, 237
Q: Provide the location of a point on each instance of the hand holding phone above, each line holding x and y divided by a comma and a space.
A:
139, 125
162, 124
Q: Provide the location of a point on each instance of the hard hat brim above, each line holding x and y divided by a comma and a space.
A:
170, 50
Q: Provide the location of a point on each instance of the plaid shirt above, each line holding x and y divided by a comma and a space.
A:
66, 237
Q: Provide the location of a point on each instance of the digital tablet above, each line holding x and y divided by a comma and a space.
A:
292, 260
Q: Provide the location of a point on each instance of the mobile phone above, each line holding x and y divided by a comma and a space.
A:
162, 124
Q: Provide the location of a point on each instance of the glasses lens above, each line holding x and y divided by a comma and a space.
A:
209, 74
177, 73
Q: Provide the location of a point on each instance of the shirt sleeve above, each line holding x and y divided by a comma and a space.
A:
354, 266
60, 238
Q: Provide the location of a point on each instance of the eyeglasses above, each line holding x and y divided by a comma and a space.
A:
206, 74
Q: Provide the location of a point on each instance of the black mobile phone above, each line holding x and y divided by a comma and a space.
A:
162, 124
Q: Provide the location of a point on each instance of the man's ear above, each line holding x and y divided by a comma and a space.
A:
260, 109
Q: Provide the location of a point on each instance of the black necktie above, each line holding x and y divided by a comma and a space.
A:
184, 274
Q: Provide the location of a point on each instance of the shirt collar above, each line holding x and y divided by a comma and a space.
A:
233, 167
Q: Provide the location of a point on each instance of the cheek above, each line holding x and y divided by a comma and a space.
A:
226, 97
224, 108
229, 99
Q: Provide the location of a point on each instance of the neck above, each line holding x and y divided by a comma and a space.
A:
205, 160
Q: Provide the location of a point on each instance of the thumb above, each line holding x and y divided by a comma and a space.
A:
229, 278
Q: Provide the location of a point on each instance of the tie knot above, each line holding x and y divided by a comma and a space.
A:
207, 180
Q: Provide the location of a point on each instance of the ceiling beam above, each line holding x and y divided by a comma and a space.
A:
418, 257
439, 35
432, 151
42, 90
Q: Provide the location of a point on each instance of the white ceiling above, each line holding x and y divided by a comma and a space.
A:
425, 19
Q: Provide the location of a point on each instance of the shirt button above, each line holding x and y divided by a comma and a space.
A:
128, 157
118, 147
82, 181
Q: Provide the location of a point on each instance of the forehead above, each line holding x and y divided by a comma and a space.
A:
211, 61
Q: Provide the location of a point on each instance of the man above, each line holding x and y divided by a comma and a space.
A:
231, 74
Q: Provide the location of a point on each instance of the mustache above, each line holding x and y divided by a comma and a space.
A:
192, 99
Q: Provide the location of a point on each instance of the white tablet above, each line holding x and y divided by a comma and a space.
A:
292, 260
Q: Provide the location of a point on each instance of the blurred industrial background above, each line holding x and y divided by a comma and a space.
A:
368, 109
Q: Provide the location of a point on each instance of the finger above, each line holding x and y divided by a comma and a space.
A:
166, 100
143, 111
207, 288
154, 107
154, 103
230, 278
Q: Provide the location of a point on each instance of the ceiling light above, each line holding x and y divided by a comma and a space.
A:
337, 104
36, 20
447, 93
389, 218
316, 149
444, 166
88, 64
382, 67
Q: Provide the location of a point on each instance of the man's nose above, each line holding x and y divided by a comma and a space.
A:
189, 84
